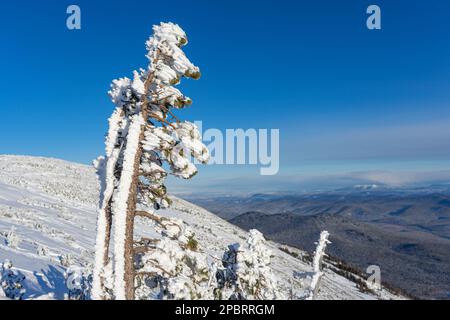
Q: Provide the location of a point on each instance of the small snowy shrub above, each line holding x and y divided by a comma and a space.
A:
247, 273
12, 238
192, 243
173, 267
66, 260
78, 283
42, 251
12, 281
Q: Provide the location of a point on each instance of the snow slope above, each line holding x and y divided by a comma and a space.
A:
51, 205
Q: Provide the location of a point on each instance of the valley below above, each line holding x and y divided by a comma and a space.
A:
406, 232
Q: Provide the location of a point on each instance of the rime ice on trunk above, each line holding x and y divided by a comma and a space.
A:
145, 139
105, 169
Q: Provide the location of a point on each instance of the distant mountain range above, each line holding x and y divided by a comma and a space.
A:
49, 205
405, 231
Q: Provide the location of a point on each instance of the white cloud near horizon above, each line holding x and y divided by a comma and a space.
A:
298, 183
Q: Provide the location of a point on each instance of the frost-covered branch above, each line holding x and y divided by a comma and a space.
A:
317, 264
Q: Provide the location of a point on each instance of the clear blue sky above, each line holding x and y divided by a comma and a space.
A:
344, 98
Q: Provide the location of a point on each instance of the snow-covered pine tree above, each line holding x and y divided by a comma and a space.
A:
144, 134
175, 267
317, 265
248, 273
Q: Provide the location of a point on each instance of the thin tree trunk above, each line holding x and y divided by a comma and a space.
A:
131, 209
108, 225
123, 207
317, 288
132, 197
108, 216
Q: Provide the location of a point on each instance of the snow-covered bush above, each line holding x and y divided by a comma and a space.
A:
247, 273
317, 264
226, 277
12, 238
78, 283
42, 250
66, 260
12, 281
172, 267
145, 143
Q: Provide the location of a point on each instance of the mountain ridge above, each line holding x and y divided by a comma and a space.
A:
406, 234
